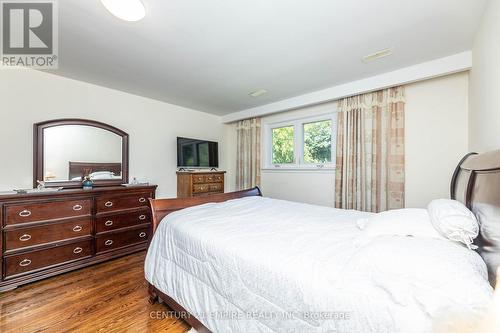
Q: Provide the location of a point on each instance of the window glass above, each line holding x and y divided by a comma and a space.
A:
283, 145
318, 142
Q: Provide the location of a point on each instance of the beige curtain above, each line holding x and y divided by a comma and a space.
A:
248, 153
370, 151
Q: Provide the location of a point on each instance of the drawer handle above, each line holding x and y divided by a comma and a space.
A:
108, 223
108, 242
77, 228
25, 213
142, 200
25, 262
142, 217
25, 238
142, 234
77, 250
108, 204
77, 207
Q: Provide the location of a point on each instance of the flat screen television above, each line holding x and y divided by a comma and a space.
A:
193, 153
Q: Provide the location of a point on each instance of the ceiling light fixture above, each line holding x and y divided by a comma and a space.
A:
127, 10
258, 93
377, 55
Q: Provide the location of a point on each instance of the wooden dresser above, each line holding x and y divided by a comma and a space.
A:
46, 234
199, 183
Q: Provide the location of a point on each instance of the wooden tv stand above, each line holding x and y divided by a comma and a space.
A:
199, 183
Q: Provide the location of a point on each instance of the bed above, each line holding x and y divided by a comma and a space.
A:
79, 170
238, 262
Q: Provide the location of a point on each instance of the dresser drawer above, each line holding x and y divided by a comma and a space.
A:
201, 188
216, 187
43, 211
209, 178
120, 239
112, 203
30, 261
118, 221
198, 179
214, 178
20, 238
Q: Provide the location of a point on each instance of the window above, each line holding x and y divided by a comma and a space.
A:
283, 147
318, 142
307, 143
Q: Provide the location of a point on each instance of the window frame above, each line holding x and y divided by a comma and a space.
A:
299, 160
272, 128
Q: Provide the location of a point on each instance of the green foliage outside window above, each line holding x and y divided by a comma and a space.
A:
318, 142
283, 142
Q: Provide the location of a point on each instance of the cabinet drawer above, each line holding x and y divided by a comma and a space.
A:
34, 260
214, 178
216, 187
112, 203
19, 238
32, 212
200, 188
198, 179
120, 239
118, 221
218, 178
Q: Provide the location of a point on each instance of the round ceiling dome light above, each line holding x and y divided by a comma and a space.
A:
127, 10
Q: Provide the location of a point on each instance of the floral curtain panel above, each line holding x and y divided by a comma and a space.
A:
248, 153
370, 174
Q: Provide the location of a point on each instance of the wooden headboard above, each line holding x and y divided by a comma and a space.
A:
476, 183
82, 169
162, 207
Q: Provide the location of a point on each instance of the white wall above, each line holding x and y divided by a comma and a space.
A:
485, 83
436, 139
431, 69
28, 96
315, 186
436, 136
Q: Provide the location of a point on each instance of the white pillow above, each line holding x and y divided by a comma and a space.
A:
454, 221
101, 175
98, 173
412, 222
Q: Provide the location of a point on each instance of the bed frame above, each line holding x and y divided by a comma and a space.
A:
83, 169
475, 182
161, 208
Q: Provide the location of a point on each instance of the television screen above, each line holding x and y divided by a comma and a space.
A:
197, 153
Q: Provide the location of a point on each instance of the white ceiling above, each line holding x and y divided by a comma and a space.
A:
209, 55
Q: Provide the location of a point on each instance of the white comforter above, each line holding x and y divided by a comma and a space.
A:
266, 265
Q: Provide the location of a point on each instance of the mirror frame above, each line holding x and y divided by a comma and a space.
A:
38, 156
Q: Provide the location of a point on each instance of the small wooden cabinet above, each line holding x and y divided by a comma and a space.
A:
45, 234
199, 183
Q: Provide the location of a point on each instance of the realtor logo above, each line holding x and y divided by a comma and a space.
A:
29, 34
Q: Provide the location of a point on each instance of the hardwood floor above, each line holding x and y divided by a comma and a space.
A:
109, 297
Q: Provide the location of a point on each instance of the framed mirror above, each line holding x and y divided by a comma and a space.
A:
67, 150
